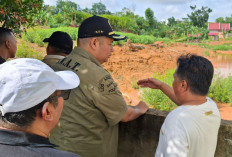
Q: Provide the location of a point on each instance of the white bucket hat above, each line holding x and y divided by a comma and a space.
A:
26, 82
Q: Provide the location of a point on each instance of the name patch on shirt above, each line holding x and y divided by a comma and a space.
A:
107, 85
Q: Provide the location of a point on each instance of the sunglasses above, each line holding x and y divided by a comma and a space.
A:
64, 94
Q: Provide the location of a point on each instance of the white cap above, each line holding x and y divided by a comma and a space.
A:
26, 82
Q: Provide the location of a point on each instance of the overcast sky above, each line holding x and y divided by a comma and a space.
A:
163, 9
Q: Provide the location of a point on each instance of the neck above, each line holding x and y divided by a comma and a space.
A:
4, 54
58, 54
35, 128
194, 100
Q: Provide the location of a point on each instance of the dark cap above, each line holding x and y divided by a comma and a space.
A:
97, 26
60, 40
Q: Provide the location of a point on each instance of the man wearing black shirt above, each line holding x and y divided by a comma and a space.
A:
8, 44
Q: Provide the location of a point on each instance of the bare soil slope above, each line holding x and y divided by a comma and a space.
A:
130, 63
127, 66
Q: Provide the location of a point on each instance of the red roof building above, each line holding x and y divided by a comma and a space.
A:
214, 26
217, 29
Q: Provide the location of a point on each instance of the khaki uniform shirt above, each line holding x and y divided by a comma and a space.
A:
52, 59
89, 122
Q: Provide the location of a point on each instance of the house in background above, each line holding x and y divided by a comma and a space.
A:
219, 30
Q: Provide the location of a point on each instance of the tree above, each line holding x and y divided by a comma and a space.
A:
17, 14
69, 10
171, 21
66, 6
199, 16
228, 19
127, 12
99, 9
220, 19
149, 14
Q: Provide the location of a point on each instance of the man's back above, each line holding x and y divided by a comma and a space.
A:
52, 59
190, 130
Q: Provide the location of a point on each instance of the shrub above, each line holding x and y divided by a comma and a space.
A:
223, 47
24, 51
37, 34
221, 89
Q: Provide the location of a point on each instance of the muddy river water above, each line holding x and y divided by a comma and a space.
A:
222, 64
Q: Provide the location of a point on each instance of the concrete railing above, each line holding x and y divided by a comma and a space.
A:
139, 138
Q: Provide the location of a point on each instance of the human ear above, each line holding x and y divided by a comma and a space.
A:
94, 43
8, 44
46, 112
184, 85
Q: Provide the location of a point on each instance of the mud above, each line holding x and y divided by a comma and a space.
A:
127, 66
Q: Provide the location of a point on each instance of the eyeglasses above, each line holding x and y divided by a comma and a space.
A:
64, 94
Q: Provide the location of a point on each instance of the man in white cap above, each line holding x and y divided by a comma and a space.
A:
31, 101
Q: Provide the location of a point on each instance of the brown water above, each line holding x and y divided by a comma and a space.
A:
222, 64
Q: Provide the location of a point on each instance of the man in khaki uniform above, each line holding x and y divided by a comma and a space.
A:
60, 44
89, 122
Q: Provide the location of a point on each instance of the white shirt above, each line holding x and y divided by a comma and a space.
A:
190, 131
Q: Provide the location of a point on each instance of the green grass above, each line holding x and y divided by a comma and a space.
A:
155, 98
230, 38
222, 47
221, 89
24, 51
37, 34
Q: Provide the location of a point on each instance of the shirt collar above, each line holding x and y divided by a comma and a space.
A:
19, 138
86, 54
2, 60
54, 57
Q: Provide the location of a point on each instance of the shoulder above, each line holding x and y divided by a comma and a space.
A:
177, 118
58, 153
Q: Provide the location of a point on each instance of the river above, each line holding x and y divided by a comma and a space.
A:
222, 64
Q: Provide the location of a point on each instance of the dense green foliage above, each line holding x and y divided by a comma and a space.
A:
225, 20
149, 14
199, 16
68, 13
18, 13
37, 35
221, 89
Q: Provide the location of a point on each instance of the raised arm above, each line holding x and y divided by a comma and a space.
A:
157, 84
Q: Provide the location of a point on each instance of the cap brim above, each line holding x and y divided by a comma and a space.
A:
67, 80
117, 37
46, 40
